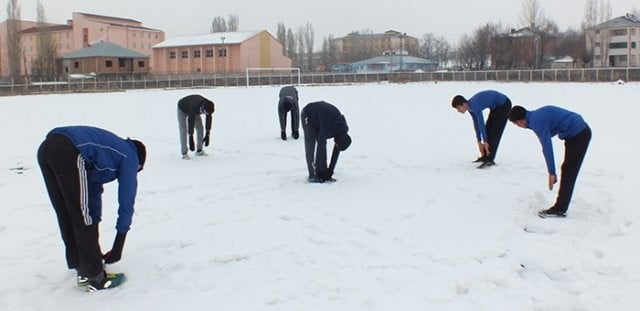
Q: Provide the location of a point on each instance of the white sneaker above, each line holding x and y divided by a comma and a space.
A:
185, 156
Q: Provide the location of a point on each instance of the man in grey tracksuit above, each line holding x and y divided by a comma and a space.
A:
189, 110
289, 102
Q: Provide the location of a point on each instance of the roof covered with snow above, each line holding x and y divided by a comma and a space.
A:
104, 49
213, 38
628, 20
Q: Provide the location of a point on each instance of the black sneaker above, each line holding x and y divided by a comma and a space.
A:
478, 160
109, 280
486, 164
82, 281
283, 135
547, 213
295, 134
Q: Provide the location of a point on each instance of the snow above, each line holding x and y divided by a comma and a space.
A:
410, 224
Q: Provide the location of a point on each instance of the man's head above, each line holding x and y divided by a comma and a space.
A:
208, 106
343, 141
142, 153
460, 104
518, 115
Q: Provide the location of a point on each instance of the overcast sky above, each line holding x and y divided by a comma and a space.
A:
448, 18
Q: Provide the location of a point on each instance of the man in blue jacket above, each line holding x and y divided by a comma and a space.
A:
488, 136
76, 161
189, 110
547, 122
321, 121
289, 102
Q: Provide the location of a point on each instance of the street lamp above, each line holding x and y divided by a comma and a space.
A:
223, 53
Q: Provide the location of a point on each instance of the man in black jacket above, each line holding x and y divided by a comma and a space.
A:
189, 110
321, 121
289, 102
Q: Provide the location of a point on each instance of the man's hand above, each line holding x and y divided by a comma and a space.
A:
192, 143
115, 253
552, 180
205, 140
484, 148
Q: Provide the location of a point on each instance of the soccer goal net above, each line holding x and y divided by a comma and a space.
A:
261, 76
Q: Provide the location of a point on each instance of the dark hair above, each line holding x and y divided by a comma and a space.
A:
517, 113
142, 152
457, 101
209, 107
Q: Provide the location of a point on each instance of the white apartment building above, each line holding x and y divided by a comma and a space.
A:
615, 43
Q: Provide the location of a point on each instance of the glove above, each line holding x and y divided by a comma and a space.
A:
315, 179
192, 144
295, 134
205, 140
115, 253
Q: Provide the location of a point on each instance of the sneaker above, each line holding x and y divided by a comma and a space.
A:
478, 160
551, 213
82, 281
200, 153
486, 164
295, 134
109, 280
283, 135
185, 156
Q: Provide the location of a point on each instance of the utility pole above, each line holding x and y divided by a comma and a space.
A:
223, 52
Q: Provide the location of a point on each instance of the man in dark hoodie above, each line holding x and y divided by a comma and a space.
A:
547, 122
289, 102
76, 161
321, 121
189, 110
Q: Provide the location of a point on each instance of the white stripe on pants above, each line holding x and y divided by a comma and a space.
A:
84, 193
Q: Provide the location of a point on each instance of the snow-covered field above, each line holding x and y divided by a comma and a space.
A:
410, 224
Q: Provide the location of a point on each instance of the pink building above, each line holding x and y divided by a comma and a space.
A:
81, 32
220, 52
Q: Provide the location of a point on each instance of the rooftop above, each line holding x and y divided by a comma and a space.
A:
208, 39
104, 49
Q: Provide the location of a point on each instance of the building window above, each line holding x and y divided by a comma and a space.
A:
185, 54
172, 54
597, 44
209, 53
148, 35
122, 63
196, 54
619, 32
222, 52
134, 45
108, 64
633, 31
76, 65
156, 36
618, 45
633, 45
141, 63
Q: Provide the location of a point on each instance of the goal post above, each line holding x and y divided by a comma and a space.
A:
289, 71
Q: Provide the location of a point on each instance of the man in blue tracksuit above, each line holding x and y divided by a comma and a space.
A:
76, 161
547, 122
289, 102
321, 121
488, 136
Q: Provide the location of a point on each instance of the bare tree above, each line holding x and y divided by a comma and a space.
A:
531, 15
428, 46
309, 39
44, 67
329, 52
442, 50
234, 23
291, 46
282, 37
605, 11
301, 48
14, 48
218, 24
481, 42
466, 52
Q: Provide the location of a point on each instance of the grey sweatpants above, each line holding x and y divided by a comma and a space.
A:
182, 126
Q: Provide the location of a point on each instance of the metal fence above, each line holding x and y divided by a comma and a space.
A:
208, 81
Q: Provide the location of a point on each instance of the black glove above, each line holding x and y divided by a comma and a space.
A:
192, 144
295, 134
115, 253
205, 140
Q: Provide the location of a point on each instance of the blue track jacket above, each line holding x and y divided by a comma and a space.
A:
481, 101
107, 157
548, 121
